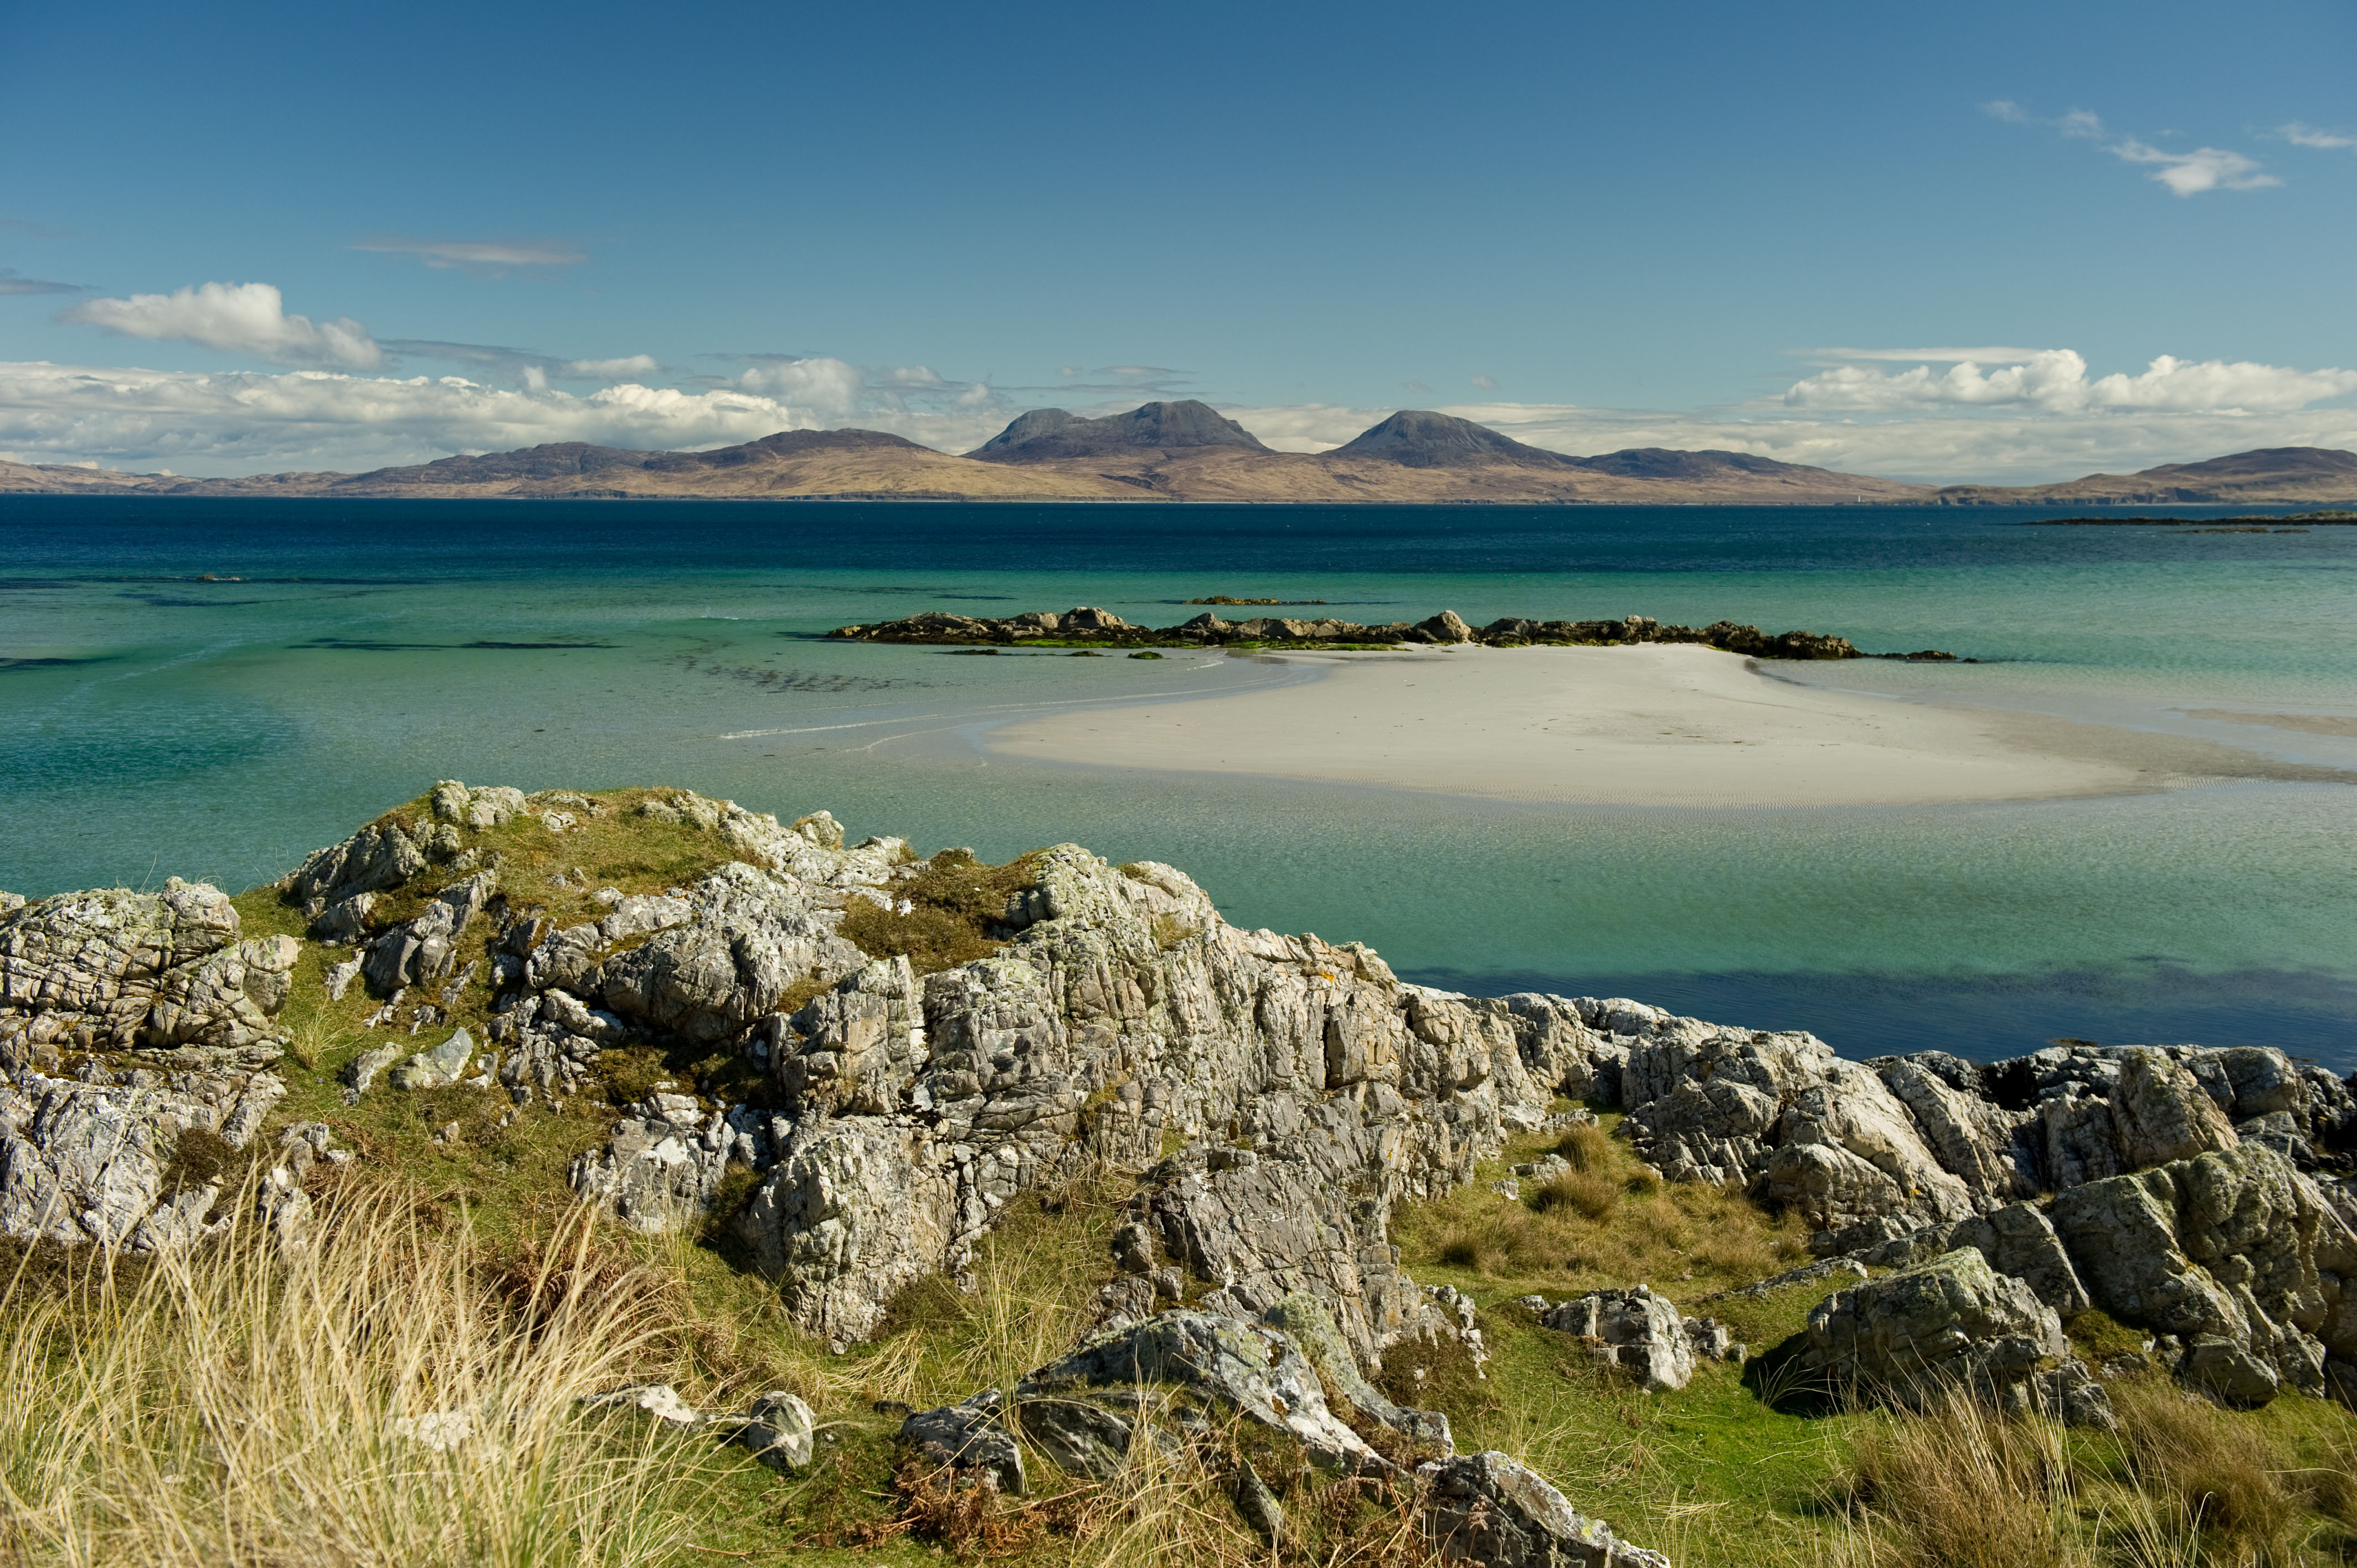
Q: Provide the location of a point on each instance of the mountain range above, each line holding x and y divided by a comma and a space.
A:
1187, 451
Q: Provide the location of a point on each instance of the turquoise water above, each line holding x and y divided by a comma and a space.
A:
158, 724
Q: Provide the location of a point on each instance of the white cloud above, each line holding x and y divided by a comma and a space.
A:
1484, 383
2185, 174
254, 421
2300, 135
259, 421
247, 318
487, 257
1931, 448
834, 389
2203, 168
612, 370
2056, 380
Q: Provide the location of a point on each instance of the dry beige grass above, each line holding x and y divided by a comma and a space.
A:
1608, 1222
358, 1399
1963, 1487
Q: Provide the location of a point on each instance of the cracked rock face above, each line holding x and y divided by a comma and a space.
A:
84, 1160
2237, 1253
110, 970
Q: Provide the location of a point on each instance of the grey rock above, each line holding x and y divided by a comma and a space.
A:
445, 1064
1951, 1324
1257, 1506
1305, 1321
664, 1163
1638, 1331
659, 1400
1183, 1372
2236, 1247
2016, 1240
970, 1439
84, 1161
360, 1073
1486, 1509
782, 1432
345, 921
2160, 1113
488, 807
110, 970
426, 946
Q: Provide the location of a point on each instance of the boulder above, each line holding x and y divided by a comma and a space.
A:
2159, 1113
1489, 1509
1952, 1324
969, 1439
2016, 1240
1182, 1373
446, 1063
782, 1434
2235, 1252
1638, 1331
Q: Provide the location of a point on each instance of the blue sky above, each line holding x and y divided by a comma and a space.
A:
1594, 226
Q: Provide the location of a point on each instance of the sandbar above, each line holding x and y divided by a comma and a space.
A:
1662, 726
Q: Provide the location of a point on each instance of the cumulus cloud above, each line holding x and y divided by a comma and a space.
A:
254, 421
14, 282
488, 258
2185, 174
259, 421
247, 318
2056, 380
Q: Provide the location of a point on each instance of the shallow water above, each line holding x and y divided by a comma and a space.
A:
161, 725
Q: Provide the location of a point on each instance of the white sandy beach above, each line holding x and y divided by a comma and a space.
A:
1675, 725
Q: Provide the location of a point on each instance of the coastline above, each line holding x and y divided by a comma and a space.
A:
1653, 725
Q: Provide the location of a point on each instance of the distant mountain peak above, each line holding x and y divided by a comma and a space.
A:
1421, 438
1048, 433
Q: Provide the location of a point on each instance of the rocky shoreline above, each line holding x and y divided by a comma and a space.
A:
1277, 1096
1089, 627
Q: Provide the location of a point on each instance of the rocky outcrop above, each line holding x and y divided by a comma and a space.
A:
1090, 624
1489, 1509
2235, 1255
1948, 1327
665, 1160
111, 969
2018, 1240
1280, 1093
1181, 1375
